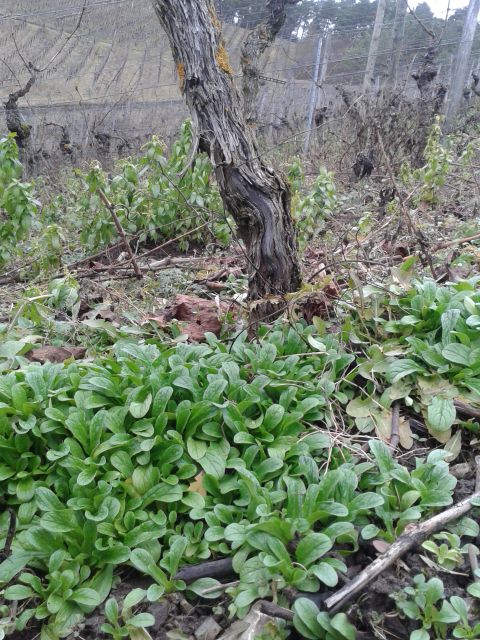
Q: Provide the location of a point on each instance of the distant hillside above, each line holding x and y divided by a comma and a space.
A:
114, 83
116, 74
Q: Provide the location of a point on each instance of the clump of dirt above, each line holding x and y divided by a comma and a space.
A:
175, 617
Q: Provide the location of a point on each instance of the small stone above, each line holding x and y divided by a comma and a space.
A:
460, 470
208, 630
186, 607
159, 611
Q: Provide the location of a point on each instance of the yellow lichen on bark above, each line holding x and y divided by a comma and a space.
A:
221, 57
181, 75
214, 17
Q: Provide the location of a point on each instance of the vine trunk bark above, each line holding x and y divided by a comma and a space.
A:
257, 197
255, 44
15, 122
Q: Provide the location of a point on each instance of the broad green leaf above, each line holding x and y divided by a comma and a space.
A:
160, 400
143, 561
360, 408
370, 531
196, 448
25, 489
312, 547
420, 634
206, 584
305, 614
449, 321
460, 607
246, 597
61, 521
141, 403
86, 476
163, 493
141, 620
155, 592
134, 597
365, 502
457, 353
123, 462
325, 573
317, 345
10, 348
341, 625
111, 610
102, 385
474, 589
398, 369
447, 613
441, 414
273, 416
102, 582
86, 597
215, 389
19, 592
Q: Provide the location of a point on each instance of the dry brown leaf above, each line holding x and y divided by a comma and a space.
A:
380, 545
196, 486
441, 436
215, 286
200, 315
405, 434
454, 446
383, 425
49, 353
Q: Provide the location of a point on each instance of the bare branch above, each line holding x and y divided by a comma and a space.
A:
28, 65
428, 31
69, 37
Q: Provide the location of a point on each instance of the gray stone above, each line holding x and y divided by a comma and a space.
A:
460, 470
159, 611
208, 630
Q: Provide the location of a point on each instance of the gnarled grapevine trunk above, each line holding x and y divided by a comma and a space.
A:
256, 196
14, 120
255, 44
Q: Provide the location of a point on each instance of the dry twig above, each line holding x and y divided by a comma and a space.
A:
222, 568
452, 243
416, 232
473, 559
121, 232
395, 435
406, 541
12, 526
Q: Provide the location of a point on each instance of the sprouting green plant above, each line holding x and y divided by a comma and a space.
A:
164, 582
425, 603
311, 211
437, 166
316, 625
448, 554
155, 195
18, 206
47, 247
63, 596
156, 455
429, 354
121, 624
407, 496
468, 627
7, 621
296, 177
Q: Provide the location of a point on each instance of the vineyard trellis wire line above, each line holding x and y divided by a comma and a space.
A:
301, 66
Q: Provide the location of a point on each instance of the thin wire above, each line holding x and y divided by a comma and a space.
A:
20, 16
